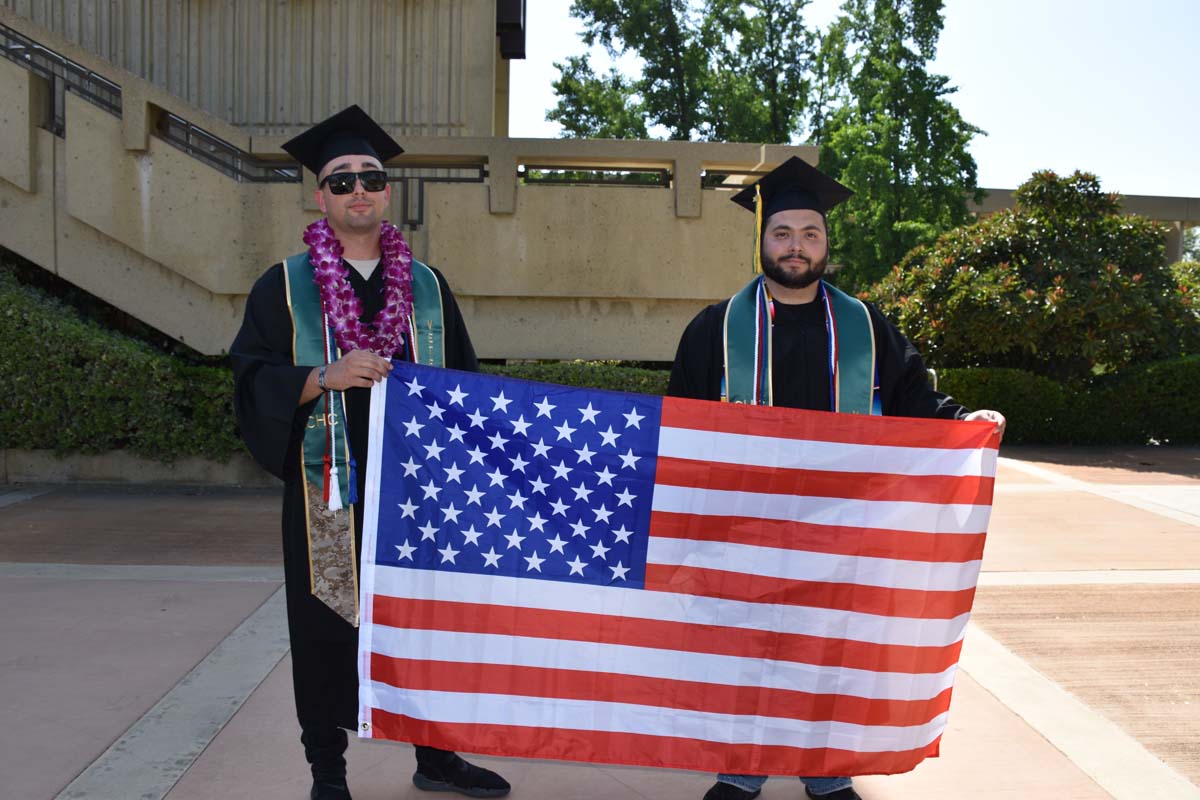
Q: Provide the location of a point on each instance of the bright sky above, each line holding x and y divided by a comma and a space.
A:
1106, 86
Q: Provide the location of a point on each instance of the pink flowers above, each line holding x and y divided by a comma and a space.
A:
385, 334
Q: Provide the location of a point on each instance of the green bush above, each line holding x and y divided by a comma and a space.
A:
588, 374
1064, 285
1035, 406
74, 387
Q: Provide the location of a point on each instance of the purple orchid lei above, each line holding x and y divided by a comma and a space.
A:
384, 335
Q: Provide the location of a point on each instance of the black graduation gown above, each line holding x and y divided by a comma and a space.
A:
266, 399
799, 363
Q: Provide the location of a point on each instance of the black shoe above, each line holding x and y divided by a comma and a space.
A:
841, 794
727, 791
329, 789
457, 775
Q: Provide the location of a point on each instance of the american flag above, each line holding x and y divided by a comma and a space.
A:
553, 572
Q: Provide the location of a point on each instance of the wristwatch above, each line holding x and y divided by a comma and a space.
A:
321, 378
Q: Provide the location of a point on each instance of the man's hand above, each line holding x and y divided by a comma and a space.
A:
358, 368
989, 416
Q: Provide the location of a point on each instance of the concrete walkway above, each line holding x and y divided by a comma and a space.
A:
145, 649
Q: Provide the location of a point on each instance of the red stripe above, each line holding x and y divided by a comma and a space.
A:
940, 489
822, 426
603, 747
668, 694
854, 597
684, 637
833, 539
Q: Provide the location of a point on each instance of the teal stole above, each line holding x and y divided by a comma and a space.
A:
330, 484
852, 370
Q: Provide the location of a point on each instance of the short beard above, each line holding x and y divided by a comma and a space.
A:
791, 280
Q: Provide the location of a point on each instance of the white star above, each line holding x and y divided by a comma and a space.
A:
581, 492
535, 563
433, 450
413, 427
565, 430
537, 485
579, 529
414, 387
500, 403
474, 496
537, 523
435, 410
457, 395
476, 419
450, 513
491, 558
544, 408
431, 490
541, 448
589, 414
626, 498
576, 566
453, 473
496, 477
605, 476
599, 550
410, 467
602, 514
406, 550
472, 535
520, 427
408, 509
428, 532
517, 499
456, 433
476, 455
514, 539
622, 534
609, 437
493, 518
561, 470
629, 459
585, 454
498, 441
448, 553
519, 464
633, 418
559, 507
557, 544
619, 572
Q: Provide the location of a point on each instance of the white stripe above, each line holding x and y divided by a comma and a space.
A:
769, 451
888, 514
803, 565
495, 709
423, 584
650, 662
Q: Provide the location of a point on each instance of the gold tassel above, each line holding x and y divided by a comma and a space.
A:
757, 230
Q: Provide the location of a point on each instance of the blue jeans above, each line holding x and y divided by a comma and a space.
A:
818, 786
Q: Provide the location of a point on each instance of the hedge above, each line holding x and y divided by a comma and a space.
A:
73, 386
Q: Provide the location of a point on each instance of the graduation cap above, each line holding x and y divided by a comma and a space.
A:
794, 184
348, 132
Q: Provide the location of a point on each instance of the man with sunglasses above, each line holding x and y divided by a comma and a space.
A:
320, 329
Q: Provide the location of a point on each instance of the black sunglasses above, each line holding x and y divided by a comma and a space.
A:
373, 180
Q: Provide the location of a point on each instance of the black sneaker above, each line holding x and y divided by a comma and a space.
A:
329, 789
457, 775
727, 791
841, 794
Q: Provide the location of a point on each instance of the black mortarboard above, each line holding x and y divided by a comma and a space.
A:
793, 184
348, 132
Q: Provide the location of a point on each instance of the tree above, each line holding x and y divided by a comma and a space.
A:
887, 131
1064, 286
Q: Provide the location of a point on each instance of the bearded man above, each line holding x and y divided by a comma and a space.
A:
791, 339
320, 329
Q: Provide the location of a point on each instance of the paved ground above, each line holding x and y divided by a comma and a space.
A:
145, 653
